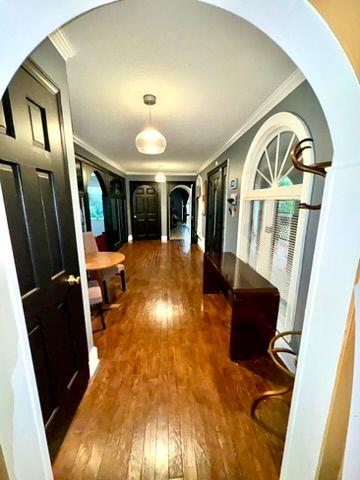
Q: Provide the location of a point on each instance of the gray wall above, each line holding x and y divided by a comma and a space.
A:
302, 102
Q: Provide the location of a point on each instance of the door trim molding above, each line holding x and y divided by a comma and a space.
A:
93, 360
35, 71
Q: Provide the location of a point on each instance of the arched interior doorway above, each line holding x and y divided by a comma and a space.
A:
327, 306
96, 204
180, 213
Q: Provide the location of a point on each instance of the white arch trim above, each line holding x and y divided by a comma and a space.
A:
184, 187
318, 54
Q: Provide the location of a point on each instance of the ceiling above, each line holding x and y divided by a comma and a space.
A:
209, 69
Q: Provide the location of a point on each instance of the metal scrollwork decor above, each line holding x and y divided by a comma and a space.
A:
315, 168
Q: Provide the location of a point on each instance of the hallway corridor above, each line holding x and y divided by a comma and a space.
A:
165, 401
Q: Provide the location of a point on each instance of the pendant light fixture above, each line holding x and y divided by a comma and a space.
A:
150, 141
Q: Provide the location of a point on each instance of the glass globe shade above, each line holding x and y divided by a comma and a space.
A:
150, 141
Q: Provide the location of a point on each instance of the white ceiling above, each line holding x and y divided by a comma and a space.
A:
209, 69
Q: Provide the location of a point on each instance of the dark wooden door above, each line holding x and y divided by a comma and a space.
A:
36, 191
215, 209
145, 210
118, 219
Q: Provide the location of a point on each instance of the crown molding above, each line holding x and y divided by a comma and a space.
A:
169, 174
96, 153
62, 44
288, 86
86, 146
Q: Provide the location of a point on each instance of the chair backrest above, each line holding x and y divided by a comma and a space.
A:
90, 244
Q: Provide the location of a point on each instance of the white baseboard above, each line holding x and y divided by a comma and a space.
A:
93, 360
201, 243
130, 238
164, 238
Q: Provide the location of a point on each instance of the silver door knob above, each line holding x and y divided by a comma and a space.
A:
72, 280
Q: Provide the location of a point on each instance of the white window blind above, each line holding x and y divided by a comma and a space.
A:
272, 237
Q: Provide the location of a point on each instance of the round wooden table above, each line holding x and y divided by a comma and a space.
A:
97, 262
103, 260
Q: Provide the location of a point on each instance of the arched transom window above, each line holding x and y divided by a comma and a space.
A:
272, 228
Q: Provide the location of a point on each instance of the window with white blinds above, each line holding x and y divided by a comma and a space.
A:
271, 243
272, 229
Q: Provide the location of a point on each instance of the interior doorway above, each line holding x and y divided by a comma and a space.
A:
145, 210
35, 185
215, 214
96, 205
342, 125
181, 208
180, 213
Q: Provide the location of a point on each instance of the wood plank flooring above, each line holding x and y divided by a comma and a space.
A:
166, 402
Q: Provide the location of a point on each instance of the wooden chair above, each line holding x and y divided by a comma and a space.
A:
96, 301
274, 355
91, 246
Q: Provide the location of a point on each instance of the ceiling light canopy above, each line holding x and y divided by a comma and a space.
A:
160, 178
150, 141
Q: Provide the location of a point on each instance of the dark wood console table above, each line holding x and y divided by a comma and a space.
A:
254, 302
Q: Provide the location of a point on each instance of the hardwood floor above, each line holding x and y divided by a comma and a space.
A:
166, 402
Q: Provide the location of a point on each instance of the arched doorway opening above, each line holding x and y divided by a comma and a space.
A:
96, 194
327, 305
180, 213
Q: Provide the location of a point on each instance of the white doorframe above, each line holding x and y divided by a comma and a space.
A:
329, 294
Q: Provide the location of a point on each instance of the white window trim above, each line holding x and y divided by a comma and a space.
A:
280, 122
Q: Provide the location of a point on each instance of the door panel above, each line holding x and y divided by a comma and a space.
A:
34, 181
49, 209
10, 183
215, 209
41, 367
145, 211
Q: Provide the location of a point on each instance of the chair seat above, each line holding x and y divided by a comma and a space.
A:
95, 295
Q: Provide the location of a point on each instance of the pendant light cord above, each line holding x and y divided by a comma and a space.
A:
150, 119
